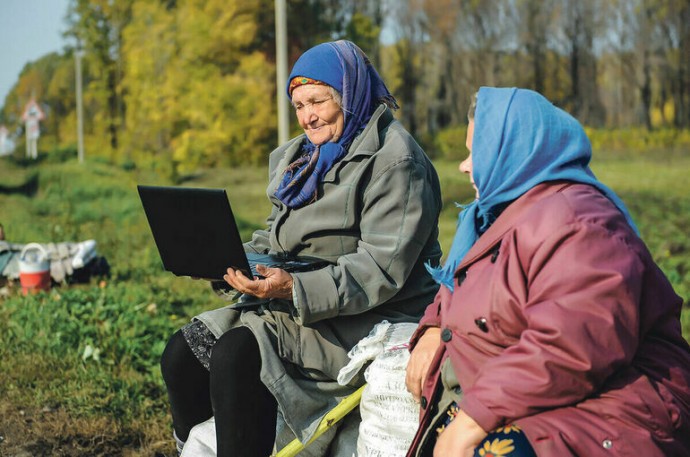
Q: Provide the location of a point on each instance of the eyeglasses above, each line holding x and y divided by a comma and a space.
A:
315, 104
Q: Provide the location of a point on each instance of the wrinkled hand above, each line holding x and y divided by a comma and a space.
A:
420, 360
276, 283
460, 437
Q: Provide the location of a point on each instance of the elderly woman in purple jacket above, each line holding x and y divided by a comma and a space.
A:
554, 332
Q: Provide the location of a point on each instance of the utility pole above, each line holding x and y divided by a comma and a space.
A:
281, 71
78, 54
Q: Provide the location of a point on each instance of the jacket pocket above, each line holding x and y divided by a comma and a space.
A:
637, 403
661, 423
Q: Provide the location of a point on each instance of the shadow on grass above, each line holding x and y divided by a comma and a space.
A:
27, 188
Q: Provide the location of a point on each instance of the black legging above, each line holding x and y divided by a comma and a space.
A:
187, 382
244, 409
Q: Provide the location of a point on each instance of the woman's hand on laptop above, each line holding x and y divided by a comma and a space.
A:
276, 283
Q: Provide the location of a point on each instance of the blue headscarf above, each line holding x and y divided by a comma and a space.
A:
520, 140
343, 66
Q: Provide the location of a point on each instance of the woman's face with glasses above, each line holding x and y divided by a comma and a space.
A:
318, 113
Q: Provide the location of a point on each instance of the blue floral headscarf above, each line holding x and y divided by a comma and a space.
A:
343, 66
520, 140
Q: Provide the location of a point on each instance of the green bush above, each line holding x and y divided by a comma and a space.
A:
449, 144
638, 140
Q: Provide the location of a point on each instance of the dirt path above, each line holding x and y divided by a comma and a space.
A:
48, 433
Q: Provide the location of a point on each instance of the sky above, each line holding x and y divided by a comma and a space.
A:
29, 29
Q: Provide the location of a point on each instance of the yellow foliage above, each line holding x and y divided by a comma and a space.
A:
229, 117
196, 96
662, 116
637, 139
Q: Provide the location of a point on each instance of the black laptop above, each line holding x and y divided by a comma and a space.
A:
196, 234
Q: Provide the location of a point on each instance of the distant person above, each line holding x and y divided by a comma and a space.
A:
6, 143
554, 333
355, 190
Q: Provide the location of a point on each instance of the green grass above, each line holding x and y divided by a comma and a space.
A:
654, 187
82, 361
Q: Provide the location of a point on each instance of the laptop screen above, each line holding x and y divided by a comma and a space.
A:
194, 230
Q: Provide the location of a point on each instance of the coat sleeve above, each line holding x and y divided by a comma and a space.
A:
582, 322
400, 208
431, 316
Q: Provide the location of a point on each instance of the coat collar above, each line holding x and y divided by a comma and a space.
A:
506, 220
366, 143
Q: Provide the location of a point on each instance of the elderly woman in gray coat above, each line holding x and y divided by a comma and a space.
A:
355, 190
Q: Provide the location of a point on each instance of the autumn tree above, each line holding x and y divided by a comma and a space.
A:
198, 90
674, 25
48, 80
446, 91
180, 84
97, 26
407, 61
580, 24
535, 18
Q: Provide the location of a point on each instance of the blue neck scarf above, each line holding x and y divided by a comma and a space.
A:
520, 140
343, 66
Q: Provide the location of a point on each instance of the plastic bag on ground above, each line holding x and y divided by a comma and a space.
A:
201, 441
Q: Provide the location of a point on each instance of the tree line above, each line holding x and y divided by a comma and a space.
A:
186, 83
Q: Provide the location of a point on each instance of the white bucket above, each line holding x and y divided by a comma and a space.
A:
34, 268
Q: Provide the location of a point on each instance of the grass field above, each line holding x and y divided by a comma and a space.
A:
79, 365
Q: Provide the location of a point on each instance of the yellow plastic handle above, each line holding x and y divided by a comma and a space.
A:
331, 418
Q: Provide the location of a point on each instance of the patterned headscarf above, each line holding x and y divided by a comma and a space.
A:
343, 66
303, 81
520, 140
